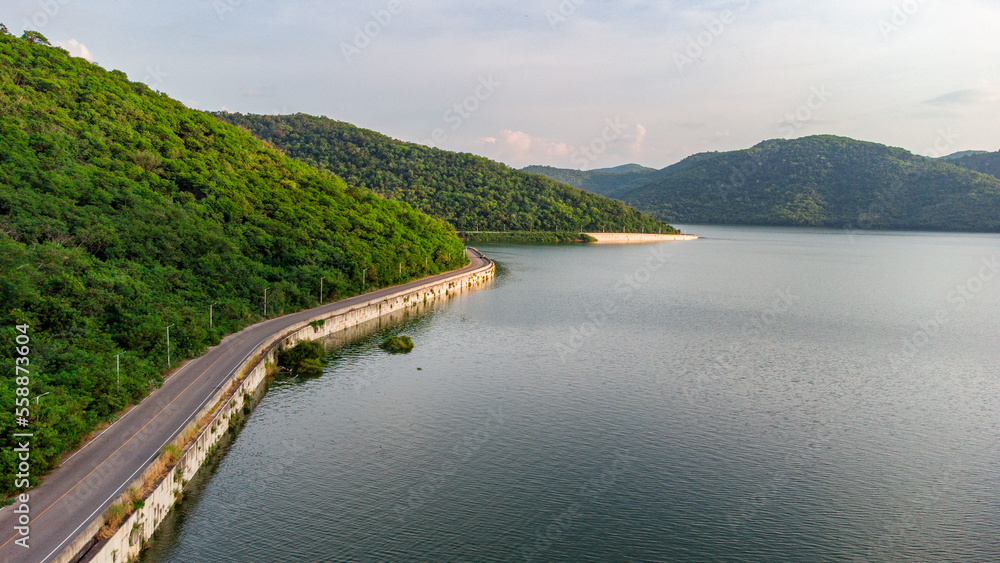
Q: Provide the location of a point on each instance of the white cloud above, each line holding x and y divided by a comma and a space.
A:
521, 149
969, 96
640, 135
76, 49
560, 82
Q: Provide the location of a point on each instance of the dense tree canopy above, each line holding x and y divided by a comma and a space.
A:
820, 181
122, 212
470, 192
985, 162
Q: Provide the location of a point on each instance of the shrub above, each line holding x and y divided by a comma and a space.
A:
397, 345
305, 358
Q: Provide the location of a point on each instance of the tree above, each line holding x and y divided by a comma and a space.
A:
36, 38
3, 30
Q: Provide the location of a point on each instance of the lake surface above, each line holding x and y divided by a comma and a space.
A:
757, 395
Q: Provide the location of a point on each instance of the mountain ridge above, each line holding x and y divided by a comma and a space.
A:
471, 192
818, 181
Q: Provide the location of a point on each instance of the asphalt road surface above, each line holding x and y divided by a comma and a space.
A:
87, 482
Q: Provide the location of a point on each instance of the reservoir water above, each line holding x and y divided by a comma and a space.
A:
757, 395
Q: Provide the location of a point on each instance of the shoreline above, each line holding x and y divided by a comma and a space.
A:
196, 439
636, 238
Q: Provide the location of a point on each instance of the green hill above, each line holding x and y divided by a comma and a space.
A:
985, 162
602, 182
962, 154
122, 212
820, 181
625, 169
470, 192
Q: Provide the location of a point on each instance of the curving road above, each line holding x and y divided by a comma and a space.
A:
88, 481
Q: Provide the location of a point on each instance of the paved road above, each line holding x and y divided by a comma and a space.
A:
86, 483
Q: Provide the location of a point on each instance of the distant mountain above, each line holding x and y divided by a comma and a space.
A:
468, 191
625, 168
962, 154
980, 161
610, 182
820, 181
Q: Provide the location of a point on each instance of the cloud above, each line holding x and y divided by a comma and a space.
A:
520, 149
560, 81
264, 92
640, 136
76, 49
618, 144
971, 96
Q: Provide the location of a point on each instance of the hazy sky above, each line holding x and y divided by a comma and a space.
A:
569, 83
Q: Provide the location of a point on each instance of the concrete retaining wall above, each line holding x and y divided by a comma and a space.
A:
229, 401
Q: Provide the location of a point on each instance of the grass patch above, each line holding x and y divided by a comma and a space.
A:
170, 453
113, 517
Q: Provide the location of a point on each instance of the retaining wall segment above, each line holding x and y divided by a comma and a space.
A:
229, 400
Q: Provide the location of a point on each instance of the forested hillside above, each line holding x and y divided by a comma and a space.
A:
820, 181
123, 212
985, 162
601, 182
470, 192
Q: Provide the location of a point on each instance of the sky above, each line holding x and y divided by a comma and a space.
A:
569, 83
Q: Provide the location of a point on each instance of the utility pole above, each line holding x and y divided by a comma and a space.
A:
321, 291
363, 274
401, 268
118, 366
168, 345
211, 324
265, 301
